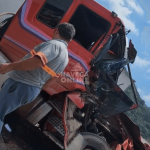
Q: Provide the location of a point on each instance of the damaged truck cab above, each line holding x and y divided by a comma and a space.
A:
84, 108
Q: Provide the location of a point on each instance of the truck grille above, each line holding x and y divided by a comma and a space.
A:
57, 124
57, 104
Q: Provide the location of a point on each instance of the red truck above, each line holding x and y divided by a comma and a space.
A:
83, 110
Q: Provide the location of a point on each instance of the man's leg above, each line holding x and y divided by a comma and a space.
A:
3, 95
13, 95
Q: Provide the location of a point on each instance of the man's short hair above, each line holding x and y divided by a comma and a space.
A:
66, 31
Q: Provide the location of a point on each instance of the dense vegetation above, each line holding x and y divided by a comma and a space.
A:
141, 116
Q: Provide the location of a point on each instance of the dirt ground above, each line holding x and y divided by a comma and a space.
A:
14, 144
24, 137
26, 142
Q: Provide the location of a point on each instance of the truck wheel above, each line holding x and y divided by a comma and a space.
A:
95, 142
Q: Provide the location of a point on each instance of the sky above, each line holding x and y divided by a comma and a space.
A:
9, 6
136, 16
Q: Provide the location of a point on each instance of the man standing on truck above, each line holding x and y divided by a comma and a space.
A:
28, 76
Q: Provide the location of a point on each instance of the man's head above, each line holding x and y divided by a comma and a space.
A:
64, 31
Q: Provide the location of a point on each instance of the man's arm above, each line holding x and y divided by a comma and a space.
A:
28, 64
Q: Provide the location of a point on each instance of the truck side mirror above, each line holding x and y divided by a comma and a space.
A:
132, 52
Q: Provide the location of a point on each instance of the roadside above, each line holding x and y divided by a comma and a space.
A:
24, 137
14, 144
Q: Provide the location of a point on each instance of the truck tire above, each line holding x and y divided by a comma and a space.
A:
95, 142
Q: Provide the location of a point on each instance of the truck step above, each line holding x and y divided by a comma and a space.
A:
54, 139
57, 104
57, 124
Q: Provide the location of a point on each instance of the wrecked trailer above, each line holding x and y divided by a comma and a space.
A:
83, 110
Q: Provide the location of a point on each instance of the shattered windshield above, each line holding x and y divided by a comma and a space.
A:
115, 92
116, 88
124, 82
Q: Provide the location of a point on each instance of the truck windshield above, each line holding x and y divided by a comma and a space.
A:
89, 26
53, 11
116, 90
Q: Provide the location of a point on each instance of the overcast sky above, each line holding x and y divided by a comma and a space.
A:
10, 6
136, 16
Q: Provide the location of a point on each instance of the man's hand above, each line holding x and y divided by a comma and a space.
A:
28, 64
6, 67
